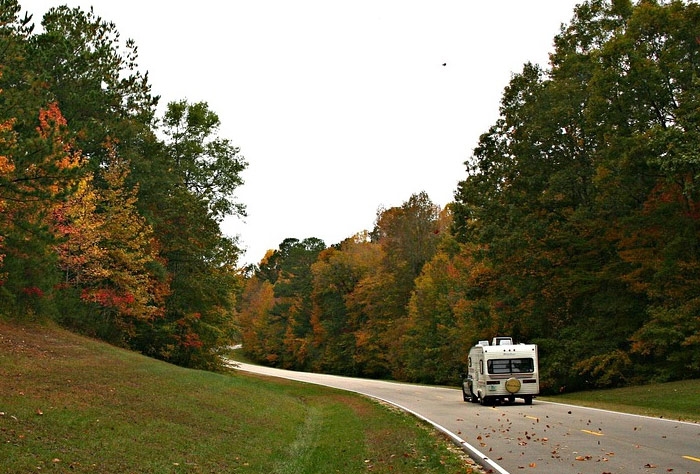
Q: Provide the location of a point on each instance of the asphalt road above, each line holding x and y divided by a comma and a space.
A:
543, 437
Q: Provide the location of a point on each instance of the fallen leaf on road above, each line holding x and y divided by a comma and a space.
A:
580, 458
532, 464
649, 466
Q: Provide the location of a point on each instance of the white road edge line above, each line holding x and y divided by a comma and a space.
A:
669, 420
485, 461
477, 455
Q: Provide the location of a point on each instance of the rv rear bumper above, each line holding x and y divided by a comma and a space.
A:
493, 390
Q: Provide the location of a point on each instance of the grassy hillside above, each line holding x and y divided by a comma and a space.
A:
677, 400
70, 404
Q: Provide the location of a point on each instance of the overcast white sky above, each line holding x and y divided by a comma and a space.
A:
338, 106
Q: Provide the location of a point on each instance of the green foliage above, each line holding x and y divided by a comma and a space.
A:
191, 192
584, 193
102, 225
93, 75
207, 166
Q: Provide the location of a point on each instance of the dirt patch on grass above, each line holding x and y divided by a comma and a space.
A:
360, 406
37, 342
267, 378
52, 365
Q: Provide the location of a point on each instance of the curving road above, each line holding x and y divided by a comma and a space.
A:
544, 437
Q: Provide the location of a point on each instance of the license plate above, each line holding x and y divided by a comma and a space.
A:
492, 388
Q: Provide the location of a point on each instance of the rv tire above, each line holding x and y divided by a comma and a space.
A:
466, 397
528, 399
511, 399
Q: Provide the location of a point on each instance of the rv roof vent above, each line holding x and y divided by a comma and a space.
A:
483, 343
502, 341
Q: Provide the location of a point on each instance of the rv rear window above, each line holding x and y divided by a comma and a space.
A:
511, 366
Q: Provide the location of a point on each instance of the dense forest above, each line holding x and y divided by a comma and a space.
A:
109, 215
576, 227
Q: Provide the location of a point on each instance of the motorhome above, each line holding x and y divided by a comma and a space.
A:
501, 371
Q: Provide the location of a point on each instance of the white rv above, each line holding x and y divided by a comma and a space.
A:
501, 371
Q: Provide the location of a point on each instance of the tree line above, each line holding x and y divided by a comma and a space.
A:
109, 214
576, 227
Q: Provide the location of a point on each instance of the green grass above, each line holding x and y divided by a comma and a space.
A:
676, 400
71, 404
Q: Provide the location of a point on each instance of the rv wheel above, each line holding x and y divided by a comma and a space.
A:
511, 399
484, 401
528, 400
466, 397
